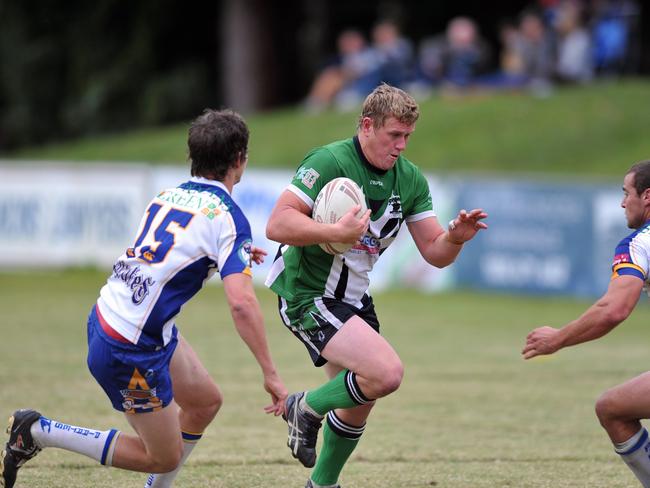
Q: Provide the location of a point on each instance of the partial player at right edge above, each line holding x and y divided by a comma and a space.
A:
324, 298
620, 408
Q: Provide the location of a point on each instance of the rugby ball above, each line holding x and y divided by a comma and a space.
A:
335, 200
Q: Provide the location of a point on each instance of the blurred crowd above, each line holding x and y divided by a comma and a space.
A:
551, 42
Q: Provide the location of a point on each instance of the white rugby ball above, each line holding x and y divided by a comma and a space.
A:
335, 200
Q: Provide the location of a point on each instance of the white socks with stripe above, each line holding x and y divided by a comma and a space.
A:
166, 480
96, 444
636, 454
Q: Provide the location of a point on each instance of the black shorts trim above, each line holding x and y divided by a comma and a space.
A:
315, 324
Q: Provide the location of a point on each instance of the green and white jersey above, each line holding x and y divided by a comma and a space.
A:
300, 273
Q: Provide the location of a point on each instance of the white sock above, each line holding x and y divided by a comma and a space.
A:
165, 480
96, 444
636, 453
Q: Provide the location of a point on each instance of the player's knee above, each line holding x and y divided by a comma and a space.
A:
204, 413
164, 463
390, 378
214, 403
202, 410
606, 408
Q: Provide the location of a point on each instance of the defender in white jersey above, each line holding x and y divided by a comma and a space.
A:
135, 352
621, 408
324, 300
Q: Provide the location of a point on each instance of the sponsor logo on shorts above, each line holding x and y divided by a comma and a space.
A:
138, 396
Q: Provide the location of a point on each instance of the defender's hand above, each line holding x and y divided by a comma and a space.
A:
543, 340
275, 387
257, 254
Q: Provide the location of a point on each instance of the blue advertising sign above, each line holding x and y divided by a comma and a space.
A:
542, 238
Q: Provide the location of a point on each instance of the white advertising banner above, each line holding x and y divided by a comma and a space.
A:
68, 214
58, 214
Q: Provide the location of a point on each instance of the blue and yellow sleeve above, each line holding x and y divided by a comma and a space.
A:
239, 260
623, 264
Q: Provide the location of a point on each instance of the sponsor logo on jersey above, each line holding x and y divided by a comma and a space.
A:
369, 244
376, 183
621, 258
308, 176
208, 204
134, 279
210, 211
184, 198
244, 253
395, 206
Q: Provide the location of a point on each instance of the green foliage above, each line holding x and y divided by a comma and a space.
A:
470, 411
592, 131
69, 69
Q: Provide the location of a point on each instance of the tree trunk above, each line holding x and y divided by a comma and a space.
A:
248, 68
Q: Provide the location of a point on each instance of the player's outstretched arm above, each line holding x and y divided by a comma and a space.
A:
610, 310
291, 223
439, 247
249, 322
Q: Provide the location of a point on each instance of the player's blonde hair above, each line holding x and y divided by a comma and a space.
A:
388, 101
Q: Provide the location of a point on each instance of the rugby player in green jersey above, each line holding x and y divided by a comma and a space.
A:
324, 299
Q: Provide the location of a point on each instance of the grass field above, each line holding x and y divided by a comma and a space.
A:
595, 131
470, 412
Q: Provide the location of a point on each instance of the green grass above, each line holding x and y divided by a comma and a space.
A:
470, 412
599, 130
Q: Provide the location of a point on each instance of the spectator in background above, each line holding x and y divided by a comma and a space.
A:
526, 58
390, 60
456, 58
355, 68
395, 53
612, 27
548, 10
535, 48
511, 61
574, 63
